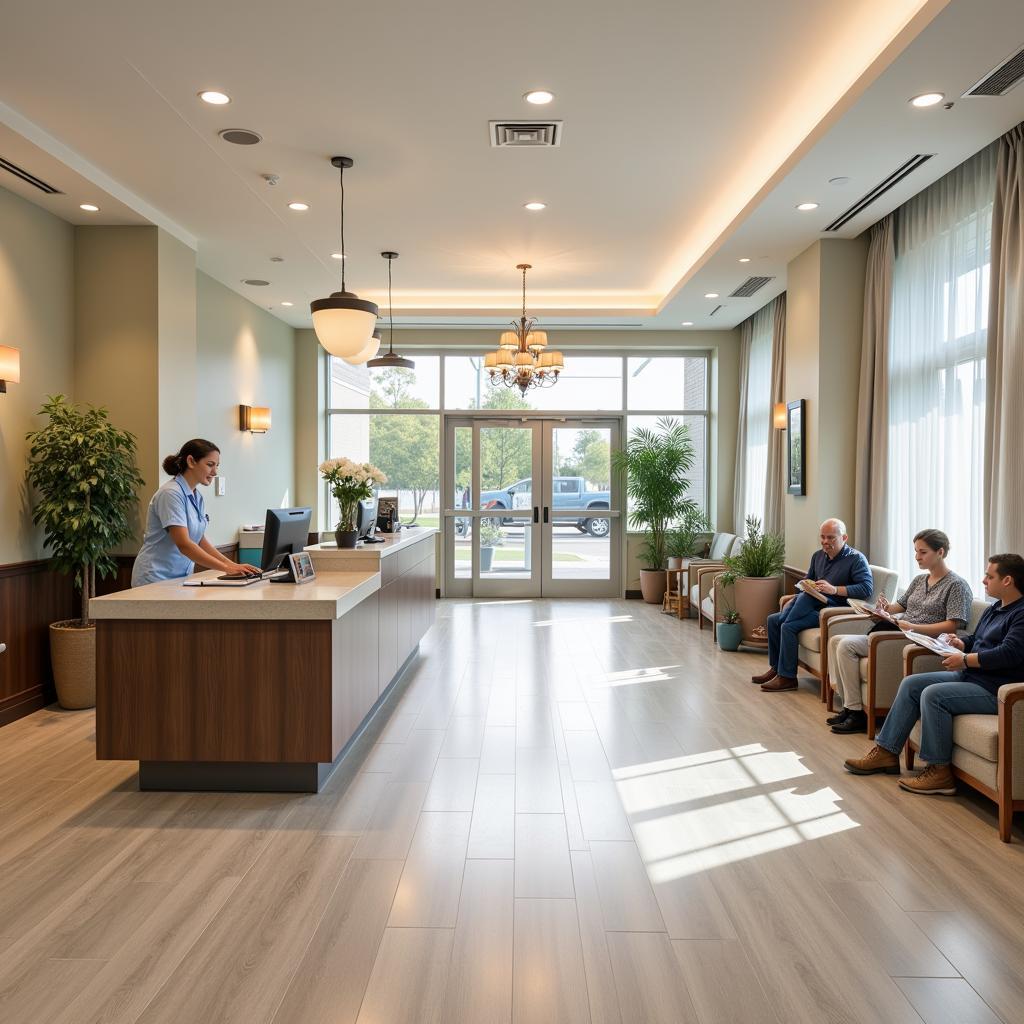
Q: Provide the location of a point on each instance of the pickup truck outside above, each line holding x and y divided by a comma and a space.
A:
568, 492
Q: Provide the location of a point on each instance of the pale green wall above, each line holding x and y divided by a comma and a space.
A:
36, 316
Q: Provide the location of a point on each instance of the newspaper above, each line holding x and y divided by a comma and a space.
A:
934, 644
873, 610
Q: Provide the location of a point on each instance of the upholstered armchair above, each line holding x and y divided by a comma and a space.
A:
702, 576
988, 750
812, 653
882, 669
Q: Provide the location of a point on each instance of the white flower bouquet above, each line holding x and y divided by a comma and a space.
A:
350, 483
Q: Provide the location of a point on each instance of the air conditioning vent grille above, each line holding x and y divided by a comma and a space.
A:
29, 178
911, 165
716, 309
751, 285
545, 134
999, 81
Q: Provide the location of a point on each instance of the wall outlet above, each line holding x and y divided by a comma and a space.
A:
220, 486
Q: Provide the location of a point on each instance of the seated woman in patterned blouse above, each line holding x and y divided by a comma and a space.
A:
937, 601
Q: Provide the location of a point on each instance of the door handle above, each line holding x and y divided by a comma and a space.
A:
536, 513
545, 513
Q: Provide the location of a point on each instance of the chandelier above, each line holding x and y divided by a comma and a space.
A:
522, 359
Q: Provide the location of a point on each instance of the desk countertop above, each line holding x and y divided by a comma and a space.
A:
329, 596
329, 557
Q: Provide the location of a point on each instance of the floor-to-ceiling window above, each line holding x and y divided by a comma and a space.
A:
757, 414
937, 366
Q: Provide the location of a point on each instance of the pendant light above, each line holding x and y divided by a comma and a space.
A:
391, 359
372, 348
343, 322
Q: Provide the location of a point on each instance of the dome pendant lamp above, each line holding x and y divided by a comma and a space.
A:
391, 359
343, 322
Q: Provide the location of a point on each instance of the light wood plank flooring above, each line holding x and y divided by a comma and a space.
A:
569, 811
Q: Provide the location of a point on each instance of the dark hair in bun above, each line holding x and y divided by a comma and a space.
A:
197, 448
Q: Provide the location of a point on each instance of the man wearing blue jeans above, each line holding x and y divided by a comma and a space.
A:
837, 572
992, 656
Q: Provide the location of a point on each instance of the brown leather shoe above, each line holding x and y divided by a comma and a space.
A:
935, 780
764, 677
876, 760
780, 683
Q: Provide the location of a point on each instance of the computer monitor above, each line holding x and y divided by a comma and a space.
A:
366, 519
286, 533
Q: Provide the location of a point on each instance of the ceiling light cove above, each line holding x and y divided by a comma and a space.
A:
711, 295
687, 323
89, 207
535, 206
298, 207
927, 99
804, 207
287, 303
539, 97
215, 98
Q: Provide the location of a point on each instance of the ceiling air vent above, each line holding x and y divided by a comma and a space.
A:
716, 309
880, 189
526, 133
999, 81
31, 179
751, 285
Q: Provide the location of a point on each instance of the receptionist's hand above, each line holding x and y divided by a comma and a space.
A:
244, 569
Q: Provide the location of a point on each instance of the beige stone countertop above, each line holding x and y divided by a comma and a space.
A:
328, 557
329, 596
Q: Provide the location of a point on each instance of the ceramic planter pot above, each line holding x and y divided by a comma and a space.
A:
675, 562
73, 655
755, 598
729, 635
346, 538
486, 559
652, 585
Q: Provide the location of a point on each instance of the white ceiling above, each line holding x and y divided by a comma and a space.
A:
691, 130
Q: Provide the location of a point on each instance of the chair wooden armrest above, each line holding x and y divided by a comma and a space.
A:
784, 600
1011, 737
919, 659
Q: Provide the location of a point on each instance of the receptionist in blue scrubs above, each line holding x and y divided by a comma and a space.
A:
175, 540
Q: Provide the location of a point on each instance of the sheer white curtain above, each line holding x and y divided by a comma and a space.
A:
936, 444
757, 414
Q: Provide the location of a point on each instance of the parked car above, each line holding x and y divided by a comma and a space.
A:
569, 492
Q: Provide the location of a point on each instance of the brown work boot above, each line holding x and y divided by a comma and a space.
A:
780, 683
764, 677
877, 760
935, 780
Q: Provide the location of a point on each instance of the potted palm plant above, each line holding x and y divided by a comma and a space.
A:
350, 483
83, 469
755, 576
655, 463
683, 540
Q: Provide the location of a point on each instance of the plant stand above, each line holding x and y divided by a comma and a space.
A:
676, 598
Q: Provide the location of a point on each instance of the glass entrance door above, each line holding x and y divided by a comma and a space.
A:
532, 509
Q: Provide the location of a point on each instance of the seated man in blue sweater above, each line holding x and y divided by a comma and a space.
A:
837, 572
991, 656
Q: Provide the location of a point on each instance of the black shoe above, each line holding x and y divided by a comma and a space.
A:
856, 721
840, 718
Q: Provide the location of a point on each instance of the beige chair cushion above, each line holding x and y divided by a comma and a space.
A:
977, 610
809, 639
812, 659
978, 734
708, 607
886, 582
695, 595
720, 545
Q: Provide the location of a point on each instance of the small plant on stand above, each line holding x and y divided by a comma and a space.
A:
491, 536
350, 483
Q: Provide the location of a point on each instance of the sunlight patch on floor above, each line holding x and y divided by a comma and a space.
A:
588, 621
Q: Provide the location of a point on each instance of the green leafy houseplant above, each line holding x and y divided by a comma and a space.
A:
682, 539
490, 534
750, 583
655, 463
84, 471
761, 555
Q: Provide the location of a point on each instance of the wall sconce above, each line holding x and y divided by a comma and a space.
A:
779, 416
254, 418
10, 367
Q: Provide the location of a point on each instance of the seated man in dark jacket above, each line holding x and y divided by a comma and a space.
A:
983, 662
837, 572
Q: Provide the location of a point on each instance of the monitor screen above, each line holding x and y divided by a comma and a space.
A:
286, 533
366, 521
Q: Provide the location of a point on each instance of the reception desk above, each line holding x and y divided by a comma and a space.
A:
259, 687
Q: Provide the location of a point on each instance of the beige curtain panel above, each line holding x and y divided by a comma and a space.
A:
1004, 371
873, 397
739, 488
774, 491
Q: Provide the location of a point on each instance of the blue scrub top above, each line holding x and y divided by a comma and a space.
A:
173, 505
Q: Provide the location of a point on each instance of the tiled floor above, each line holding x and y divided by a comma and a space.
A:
571, 811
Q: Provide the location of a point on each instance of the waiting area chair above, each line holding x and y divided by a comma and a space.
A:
703, 573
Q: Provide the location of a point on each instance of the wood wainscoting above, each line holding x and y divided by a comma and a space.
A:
32, 596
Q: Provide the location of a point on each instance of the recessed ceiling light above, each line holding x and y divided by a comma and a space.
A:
89, 207
539, 96
277, 259
807, 206
927, 99
255, 282
298, 206
287, 303
535, 206
711, 295
744, 259
240, 136
687, 323
218, 99
338, 256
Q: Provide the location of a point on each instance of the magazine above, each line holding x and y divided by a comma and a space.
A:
875, 612
932, 643
808, 587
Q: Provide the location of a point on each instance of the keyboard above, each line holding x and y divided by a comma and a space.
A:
268, 574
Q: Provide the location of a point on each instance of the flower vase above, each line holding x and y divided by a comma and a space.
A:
345, 538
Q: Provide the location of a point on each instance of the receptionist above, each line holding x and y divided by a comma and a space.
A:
175, 540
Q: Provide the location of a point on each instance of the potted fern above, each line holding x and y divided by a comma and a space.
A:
755, 577
83, 470
655, 464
